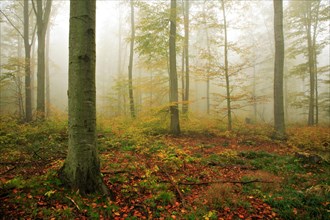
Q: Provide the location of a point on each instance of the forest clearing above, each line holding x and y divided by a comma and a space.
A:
206, 173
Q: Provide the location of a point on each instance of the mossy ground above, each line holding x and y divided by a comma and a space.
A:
206, 173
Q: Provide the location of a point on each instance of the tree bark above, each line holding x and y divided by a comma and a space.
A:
209, 62
186, 55
81, 170
27, 47
130, 66
316, 19
47, 74
19, 80
229, 126
174, 110
279, 124
42, 23
311, 112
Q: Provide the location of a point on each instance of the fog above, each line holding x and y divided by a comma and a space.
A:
251, 61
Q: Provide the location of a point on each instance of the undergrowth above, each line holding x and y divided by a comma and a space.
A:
206, 173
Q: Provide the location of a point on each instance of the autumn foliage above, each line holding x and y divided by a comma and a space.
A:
206, 173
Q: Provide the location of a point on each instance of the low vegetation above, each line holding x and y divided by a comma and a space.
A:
206, 173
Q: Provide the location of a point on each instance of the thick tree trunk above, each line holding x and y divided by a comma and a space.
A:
81, 170
27, 47
130, 66
226, 68
174, 110
279, 124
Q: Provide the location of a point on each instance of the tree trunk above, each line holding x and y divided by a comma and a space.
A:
278, 70
42, 22
186, 55
119, 102
47, 74
311, 113
226, 67
183, 77
130, 66
27, 47
19, 80
81, 170
316, 19
254, 94
174, 110
209, 62
0, 50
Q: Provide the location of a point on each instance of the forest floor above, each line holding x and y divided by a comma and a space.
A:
205, 173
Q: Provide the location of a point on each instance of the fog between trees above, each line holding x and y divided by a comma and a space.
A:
250, 59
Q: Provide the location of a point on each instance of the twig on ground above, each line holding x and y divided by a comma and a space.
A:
115, 171
175, 185
7, 171
224, 181
73, 202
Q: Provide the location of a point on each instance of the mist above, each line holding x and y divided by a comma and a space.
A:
250, 57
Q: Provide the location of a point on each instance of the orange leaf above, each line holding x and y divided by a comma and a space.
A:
295, 211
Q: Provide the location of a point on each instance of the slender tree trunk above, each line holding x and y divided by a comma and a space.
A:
183, 78
47, 74
278, 70
33, 76
19, 80
81, 170
254, 95
226, 67
209, 62
186, 55
316, 101
1, 92
130, 66
27, 47
119, 103
208, 74
174, 110
42, 23
311, 113
316, 19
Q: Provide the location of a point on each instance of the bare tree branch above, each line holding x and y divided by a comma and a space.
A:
34, 8
224, 181
34, 34
11, 23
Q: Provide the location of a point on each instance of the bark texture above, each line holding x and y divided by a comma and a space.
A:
186, 57
42, 23
174, 109
81, 170
311, 64
229, 126
279, 124
27, 47
130, 66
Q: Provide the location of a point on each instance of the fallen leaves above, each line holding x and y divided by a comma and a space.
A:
138, 178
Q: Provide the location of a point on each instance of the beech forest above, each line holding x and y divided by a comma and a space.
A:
165, 109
